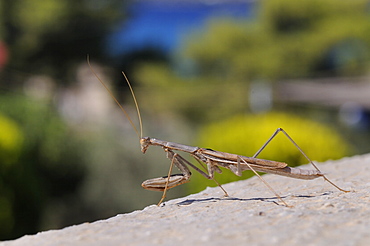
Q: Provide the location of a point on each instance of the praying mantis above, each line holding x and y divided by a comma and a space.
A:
211, 160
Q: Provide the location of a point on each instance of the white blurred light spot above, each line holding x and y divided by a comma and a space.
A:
260, 97
350, 113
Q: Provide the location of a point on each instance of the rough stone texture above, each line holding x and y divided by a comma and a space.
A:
322, 215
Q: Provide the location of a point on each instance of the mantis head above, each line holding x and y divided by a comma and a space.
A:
144, 143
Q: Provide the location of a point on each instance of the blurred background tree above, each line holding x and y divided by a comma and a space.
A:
67, 155
52, 36
286, 40
42, 161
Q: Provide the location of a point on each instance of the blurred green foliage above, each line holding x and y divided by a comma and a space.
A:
41, 160
288, 39
161, 91
11, 140
245, 135
51, 36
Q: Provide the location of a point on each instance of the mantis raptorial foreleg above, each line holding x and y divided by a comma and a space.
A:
172, 180
185, 173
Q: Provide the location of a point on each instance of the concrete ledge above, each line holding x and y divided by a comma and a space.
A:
322, 215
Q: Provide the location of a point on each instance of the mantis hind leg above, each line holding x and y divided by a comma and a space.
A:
300, 150
259, 176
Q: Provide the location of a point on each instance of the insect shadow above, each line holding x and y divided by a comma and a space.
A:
264, 199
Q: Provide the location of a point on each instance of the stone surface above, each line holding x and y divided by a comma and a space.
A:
321, 215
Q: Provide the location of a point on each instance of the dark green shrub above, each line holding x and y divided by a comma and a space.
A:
41, 162
11, 140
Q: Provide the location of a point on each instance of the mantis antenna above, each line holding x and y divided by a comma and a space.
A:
120, 106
